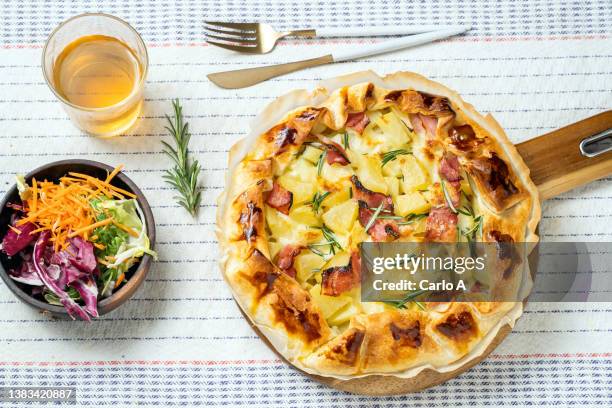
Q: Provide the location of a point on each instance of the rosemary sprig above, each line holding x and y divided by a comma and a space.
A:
345, 140
374, 216
331, 239
447, 197
184, 175
317, 200
409, 297
314, 250
466, 210
320, 162
390, 217
470, 234
412, 218
392, 155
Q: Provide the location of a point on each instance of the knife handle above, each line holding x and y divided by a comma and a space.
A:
557, 162
350, 53
376, 30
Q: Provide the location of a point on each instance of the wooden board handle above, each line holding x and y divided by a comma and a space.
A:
556, 162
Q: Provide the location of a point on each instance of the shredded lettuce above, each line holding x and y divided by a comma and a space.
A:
22, 187
123, 248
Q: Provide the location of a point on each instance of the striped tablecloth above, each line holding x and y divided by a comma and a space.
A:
536, 65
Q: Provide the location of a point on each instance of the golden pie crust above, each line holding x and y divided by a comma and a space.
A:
398, 342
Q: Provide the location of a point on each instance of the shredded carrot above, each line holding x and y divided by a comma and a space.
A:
120, 279
99, 246
34, 194
93, 226
126, 229
99, 183
114, 173
15, 230
64, 208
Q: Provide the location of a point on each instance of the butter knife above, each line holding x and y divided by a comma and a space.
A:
243, 78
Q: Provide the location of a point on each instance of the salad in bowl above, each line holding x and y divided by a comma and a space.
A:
75, 240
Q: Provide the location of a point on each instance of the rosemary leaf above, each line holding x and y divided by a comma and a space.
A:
184, 175
408, 298
390, 217
330, 237
412, 218
345, 140
317, 200
374, 216
392, 155
466, 210
476, 227
320, 162
447, 197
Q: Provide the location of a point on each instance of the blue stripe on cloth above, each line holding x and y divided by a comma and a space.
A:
517, 382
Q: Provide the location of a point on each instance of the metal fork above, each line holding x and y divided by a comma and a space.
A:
259, 38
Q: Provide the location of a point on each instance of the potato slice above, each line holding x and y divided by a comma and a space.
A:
304, 170
340, 218
304, 215
409, 203
396, 133
394, 185
287, 231
311, 154
343, 315
414, 176
307, 264
302, 191
370, 174
393, 168
340, 259
336, 173
328, 304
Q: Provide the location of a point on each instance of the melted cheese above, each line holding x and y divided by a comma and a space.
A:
410, 179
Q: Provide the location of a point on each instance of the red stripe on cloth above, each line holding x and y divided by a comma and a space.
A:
264, 361
549, 355
139, 362
286, 43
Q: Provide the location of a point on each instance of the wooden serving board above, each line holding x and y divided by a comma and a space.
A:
557, 165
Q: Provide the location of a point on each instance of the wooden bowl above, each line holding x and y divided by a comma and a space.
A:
52, 172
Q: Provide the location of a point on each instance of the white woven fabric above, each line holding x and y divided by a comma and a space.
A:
536, 65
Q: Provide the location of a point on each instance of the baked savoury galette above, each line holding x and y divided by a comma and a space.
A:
399, 158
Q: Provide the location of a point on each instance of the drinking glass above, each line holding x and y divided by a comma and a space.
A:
105, 121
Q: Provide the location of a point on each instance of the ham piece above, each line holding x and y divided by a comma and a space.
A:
340, 279
441, 225
280, 198
357, 121
286, 256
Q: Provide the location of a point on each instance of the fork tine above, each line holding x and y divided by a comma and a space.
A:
238, 48
244, 41
232, 34
236, 26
